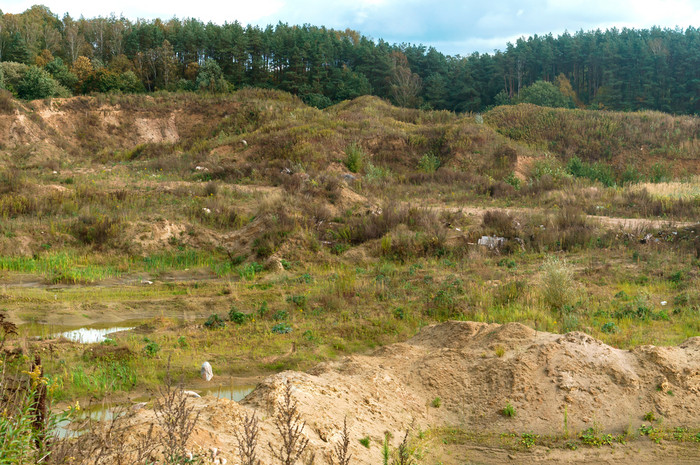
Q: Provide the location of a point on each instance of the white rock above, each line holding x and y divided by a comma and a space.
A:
663, 302
206, 372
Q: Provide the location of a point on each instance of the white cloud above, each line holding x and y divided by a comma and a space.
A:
452, 26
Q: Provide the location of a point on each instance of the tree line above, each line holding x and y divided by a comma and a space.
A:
43, 55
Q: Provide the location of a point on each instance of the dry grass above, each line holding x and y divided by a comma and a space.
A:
677, 190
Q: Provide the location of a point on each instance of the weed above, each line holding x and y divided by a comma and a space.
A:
557, 283
508, 411
400, 313
437, 402
529, 439
151, 348
248, 440
649, 416
289, 425
365, 441
281, 328
340, 454
609, 328
429, 163
237, 317
176, 419
499, 350
646, 430
593, 437
298, 300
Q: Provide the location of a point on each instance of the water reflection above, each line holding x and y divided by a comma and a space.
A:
91, 335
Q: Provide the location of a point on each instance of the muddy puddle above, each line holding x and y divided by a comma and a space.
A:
107, 411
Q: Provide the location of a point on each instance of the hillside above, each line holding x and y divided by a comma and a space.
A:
279, 241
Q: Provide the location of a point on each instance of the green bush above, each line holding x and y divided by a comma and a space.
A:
595, 172
237, 317
214, 322
354, 158
151, 348
544, 94
211, 78
36, 84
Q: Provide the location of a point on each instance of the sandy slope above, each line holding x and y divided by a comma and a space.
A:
541, 374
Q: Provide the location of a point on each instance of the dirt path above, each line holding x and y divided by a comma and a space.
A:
605, 221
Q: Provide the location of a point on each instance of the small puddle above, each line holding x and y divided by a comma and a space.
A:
91, 335
102, 412
105, 412
236, 393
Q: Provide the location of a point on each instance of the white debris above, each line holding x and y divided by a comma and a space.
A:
663, 302
492, 242
206, 210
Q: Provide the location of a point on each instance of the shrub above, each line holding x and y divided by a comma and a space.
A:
6, 104
214, 322
10, 180
499, 223
95, 230
429, 163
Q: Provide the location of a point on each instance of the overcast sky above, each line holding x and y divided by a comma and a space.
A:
451, 26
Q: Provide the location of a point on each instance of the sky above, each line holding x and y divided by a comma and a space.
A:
454, 27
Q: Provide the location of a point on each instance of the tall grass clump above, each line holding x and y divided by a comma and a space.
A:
558, 286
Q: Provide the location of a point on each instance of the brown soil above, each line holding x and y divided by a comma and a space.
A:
540, 374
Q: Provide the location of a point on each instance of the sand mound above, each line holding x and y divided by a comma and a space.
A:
475, 368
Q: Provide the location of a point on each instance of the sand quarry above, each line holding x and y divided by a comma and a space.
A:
476, 369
